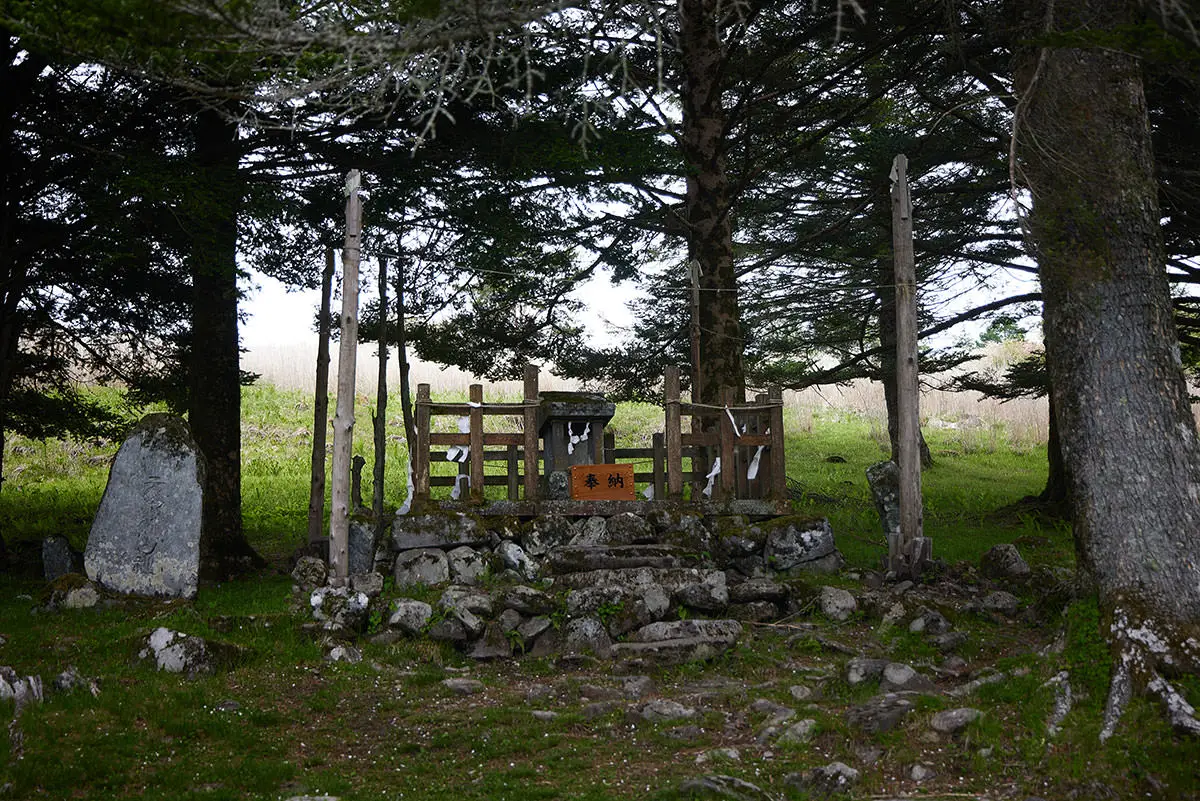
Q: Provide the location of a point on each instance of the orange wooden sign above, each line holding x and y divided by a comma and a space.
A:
602, 482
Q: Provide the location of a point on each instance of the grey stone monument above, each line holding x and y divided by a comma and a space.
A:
145, 539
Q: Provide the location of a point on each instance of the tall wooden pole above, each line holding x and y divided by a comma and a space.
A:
343, 421
907, 554
316, 491
381, 399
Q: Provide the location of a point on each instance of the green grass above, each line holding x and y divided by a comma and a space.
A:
386, 728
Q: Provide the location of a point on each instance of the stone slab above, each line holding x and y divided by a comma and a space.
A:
145, 539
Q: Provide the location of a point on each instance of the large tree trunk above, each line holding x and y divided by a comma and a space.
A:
1055, 499
316, 487
215, 387
1128, 435
710, 232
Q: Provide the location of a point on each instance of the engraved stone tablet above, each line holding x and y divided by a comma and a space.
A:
145, 539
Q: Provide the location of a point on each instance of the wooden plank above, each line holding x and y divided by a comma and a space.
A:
530, 433
465, 409
490, 438
477, 441
602, 482
775, 450
673, 434
907, 388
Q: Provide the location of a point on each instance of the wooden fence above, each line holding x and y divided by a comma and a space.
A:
734, 433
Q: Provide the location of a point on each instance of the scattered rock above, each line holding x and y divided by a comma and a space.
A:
863, 669
21, 690
930, 621
922, 773
898, 677
175, 652
145, 538
58, 558
1000, 601
84, 597
836, 777
544, 715
952, 721
722, 787
798, 733
881, 713
837, 604
70, 680
461, 686
664, 710
1003, 562
950, 641
344, 653
719, 755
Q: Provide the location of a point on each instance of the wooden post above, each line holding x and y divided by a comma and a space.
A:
729, 433
476, 442
381, 399
673, 434
531, 433
316, 490
510, 467
420, 455
343, 422
660, 474
906, 555
778, 489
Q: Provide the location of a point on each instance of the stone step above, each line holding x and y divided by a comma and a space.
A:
581, 558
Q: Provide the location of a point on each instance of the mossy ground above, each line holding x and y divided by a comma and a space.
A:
387, 728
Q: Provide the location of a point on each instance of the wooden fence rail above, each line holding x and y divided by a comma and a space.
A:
741, 431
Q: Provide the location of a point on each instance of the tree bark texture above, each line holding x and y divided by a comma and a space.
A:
710, 231
316, 490
343, 420
381, 399
1128, 436
214, 377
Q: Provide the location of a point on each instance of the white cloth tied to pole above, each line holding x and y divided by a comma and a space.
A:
648, 492
457, 490
712, 478
752, 471
403, 510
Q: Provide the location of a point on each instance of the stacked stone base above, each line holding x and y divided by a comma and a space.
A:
643, 591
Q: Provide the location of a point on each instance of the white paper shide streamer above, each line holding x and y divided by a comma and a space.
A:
574, 439
712, 478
